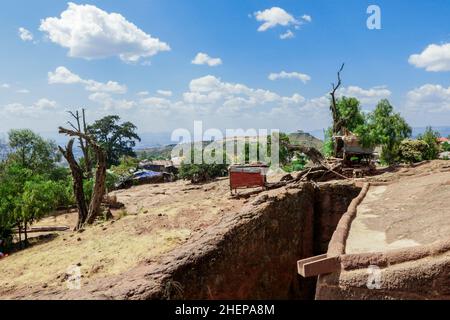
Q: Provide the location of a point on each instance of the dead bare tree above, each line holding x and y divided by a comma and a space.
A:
337, 123
86, 213
81, 126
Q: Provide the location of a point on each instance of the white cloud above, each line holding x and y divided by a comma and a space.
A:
62, 75
307, 18
5, 86
429, 98
231, 98
287, 35
23, 91
91, 33
34, 110
143, 93
108, 102
434, 58
152, 101
202, 58
25, 35
165, 93
45, 104
290, 75
273, 17
366, 96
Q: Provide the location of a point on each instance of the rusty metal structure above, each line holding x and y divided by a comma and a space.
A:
248, 176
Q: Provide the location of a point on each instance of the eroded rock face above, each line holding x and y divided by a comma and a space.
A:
253, 255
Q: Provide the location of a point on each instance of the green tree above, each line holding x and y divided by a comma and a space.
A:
430, 137
31, 151
117, 139
349, 113
12, 183
446, 146
39, 198
386, 128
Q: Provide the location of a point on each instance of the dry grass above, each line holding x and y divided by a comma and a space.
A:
156, 220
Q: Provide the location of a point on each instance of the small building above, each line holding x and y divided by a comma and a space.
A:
248, 176
159, 166
443, 140
349, 148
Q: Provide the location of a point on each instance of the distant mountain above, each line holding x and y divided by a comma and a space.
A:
444, 130
304, 138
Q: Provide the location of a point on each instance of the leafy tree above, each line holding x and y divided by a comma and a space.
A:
412, 151
431, 138
31, 151
446, 146
39, 198
328, 145
126, 165
349, 113
386, 128
117, 139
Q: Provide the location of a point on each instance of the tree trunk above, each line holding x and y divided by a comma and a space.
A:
99, 187
20, 234
312, 153
26, 234
77, 175
86, 215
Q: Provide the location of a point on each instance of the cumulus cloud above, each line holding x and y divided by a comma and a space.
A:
109, 103
434, 58
23, 91
62, 75
290, 75
287, 35
273, 17
143, 93
33, 110
307, 18
91, 33
25, 35
5, 86
366, 96
165, 93
202, 58
429, 98
229, 99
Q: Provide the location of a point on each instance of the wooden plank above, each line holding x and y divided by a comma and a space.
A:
45, 229
318, 265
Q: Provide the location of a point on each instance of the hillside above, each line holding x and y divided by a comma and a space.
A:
297, 138
306, 139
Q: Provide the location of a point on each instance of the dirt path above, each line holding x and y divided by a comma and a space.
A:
413, 210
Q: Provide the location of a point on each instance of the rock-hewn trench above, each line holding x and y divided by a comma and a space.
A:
249, 255
254, 255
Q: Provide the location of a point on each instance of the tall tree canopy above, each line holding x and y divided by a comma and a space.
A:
386, 128
31, 151
349, 113
117, 139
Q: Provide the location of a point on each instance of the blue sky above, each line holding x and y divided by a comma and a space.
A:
51, 63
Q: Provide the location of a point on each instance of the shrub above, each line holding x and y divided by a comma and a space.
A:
412, 151
198, 173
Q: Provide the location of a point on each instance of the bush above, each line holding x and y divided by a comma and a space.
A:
198, 173
126, 165
412, 151
296, 165
431, 138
